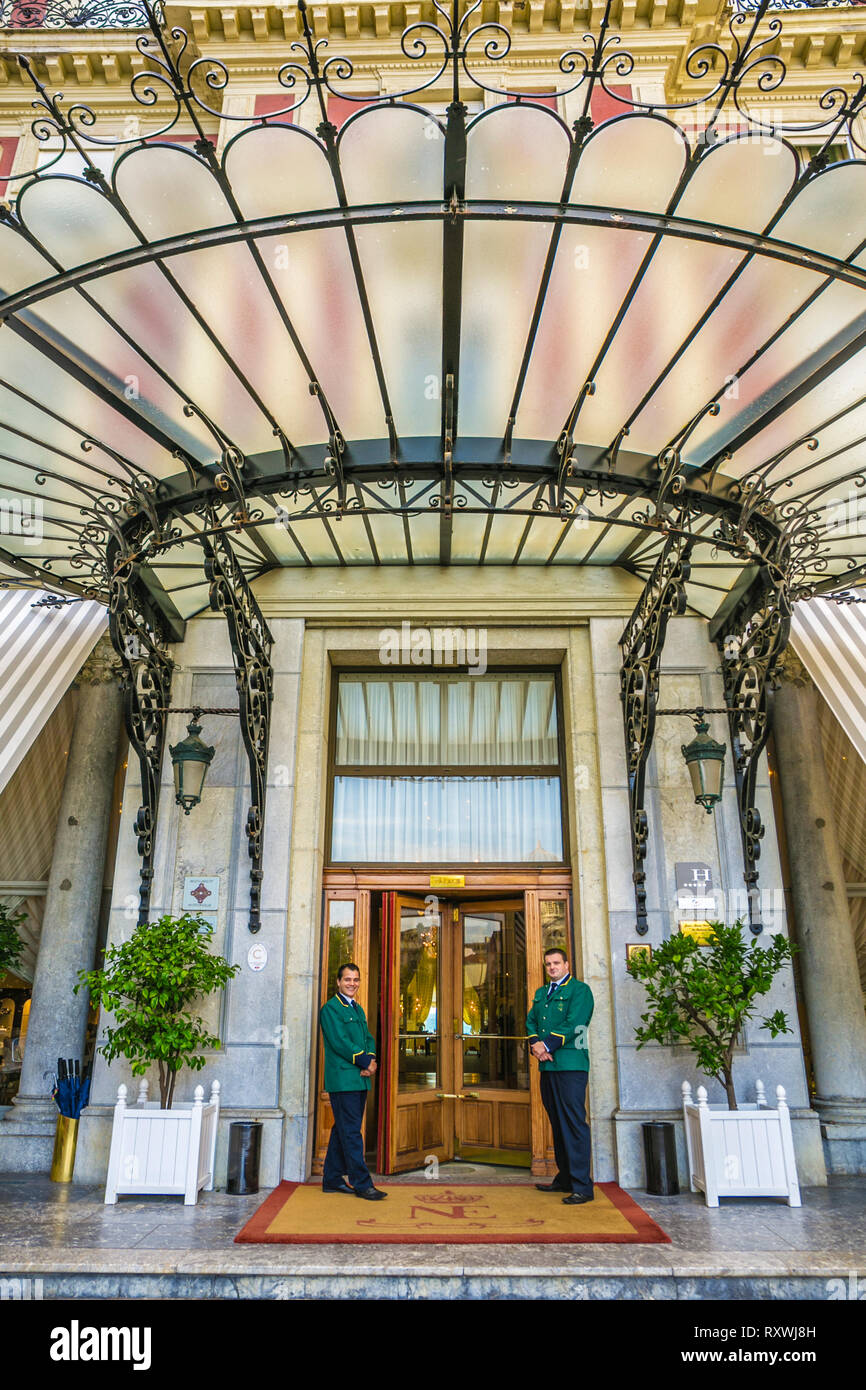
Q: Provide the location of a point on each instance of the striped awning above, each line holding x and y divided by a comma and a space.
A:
41, 650
830, 640
29, 806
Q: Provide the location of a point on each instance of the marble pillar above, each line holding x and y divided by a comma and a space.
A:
58, 1018
828, 961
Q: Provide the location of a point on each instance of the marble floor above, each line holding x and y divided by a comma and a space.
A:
37, 1215
62, 1242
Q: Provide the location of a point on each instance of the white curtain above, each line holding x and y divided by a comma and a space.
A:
452, 721
446, 820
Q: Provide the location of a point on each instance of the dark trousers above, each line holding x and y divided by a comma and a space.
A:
563, 1094
345, 1156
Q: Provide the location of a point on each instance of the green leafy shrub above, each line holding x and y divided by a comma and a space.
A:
148, 984
702, 995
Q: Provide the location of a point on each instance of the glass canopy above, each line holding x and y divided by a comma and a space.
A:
427, 339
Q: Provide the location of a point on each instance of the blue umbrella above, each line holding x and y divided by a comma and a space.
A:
71, 1092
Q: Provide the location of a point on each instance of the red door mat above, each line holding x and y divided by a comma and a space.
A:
433, 1213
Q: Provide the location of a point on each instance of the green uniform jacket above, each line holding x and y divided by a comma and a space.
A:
349, 1045
560, 1023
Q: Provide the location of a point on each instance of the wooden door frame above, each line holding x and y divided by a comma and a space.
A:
361, 953
536, 885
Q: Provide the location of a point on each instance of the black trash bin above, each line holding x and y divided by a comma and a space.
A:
245, 1152
660, 1156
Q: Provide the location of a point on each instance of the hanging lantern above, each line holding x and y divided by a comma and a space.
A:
705, 760
191, 759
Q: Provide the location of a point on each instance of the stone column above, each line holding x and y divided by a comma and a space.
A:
828, 960
58, 1018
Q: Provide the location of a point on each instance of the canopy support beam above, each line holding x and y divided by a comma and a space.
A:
663, 598
139, 638
251, 644
452, 310
751, 642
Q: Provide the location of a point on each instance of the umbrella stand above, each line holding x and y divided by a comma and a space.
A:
71, 1093
65, 1141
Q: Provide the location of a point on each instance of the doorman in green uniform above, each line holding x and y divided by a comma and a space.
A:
557, 1024
350, 1061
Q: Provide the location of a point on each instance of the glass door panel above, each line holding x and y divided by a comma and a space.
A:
419, 1120
553, 915
493, 1103
419, 999
494, 1010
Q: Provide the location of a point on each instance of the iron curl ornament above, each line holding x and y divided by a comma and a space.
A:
140, 641
751, 642
251, 643
663, 598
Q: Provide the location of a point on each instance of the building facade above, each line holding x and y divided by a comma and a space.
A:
447, 781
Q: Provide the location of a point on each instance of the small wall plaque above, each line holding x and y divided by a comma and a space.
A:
447, 880
701, 931
694, 886
257, 956
201, 893
637, 948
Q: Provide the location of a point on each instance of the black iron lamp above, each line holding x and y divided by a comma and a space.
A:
705, 760
191, 759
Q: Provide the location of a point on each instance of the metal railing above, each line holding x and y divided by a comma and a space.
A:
749, 6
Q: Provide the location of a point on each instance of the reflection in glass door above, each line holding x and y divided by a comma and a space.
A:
415, 988
491, 1063
419, 997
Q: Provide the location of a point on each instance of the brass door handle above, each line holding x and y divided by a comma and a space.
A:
457, 1095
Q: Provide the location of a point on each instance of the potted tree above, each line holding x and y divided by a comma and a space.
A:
701, 995
148, 985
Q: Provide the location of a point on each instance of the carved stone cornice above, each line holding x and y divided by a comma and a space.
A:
102, 667
791, 671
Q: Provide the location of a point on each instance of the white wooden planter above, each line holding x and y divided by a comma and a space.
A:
740, 1153
163, 1152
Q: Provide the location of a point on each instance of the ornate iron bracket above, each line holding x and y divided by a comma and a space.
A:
251, 644
139, 638
751, 642
663, 598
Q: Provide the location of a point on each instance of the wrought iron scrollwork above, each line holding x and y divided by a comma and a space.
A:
140, 642
73, 14
751, 643
251, 644
663, 598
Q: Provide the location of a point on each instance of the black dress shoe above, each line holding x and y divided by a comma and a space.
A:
551, 1187
372, 1194
344, 1187
577, 1199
